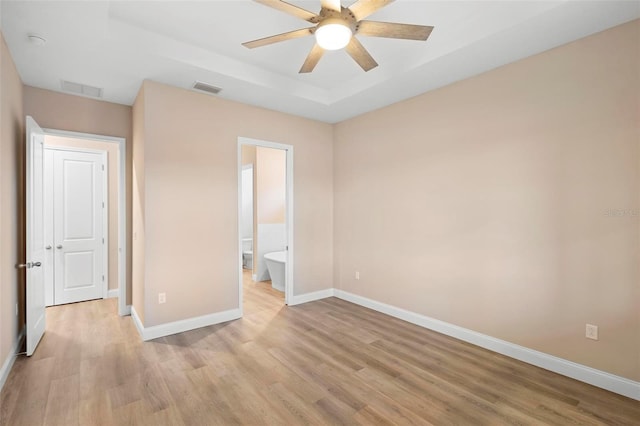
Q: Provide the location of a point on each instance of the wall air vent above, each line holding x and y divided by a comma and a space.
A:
207, 88
81, 89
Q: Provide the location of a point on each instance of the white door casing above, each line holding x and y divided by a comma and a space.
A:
35, 293
78, 226
121, 241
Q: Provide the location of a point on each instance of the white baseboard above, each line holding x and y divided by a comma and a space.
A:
113, 293
156, 331
137, 322
11, 358
601, 379
126, 311
310, 297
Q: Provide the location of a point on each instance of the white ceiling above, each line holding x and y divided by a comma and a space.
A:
115, 45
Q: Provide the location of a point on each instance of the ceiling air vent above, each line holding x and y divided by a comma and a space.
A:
204, 87
81, 89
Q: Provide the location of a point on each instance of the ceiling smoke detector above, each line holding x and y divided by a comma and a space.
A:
207, 88
81, 89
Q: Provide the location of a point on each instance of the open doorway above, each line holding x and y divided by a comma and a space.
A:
265, 224
76, 151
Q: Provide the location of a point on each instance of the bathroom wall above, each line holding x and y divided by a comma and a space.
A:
507, 203
249, 157
247, 201
271, 189
271, 172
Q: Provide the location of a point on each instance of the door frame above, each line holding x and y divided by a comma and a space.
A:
289, 282
253, 225
123, 308
105, 209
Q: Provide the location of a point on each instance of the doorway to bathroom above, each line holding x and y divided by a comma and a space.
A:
265, 224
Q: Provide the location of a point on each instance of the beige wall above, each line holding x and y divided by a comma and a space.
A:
11, 203
190, 207
483, 203
138, 203
113, 173
74, 113
271, 172
248, 154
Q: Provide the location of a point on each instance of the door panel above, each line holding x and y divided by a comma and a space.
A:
34, 167
78, 198
48, 226
78, 226
79, 269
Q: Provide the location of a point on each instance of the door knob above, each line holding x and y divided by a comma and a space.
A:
48, 247
59, 246
28, 265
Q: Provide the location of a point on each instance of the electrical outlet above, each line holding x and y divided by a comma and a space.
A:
162, 297
357, 275
591, 332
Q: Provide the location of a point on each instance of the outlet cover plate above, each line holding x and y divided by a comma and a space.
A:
591, 332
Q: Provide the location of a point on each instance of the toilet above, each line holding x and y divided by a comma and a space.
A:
276, 262
247, 253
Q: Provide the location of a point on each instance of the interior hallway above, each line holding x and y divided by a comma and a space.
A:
325, 362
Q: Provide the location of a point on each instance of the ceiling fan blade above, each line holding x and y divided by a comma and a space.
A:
285, 7
312, 59
331, 5
359, 54
278, 38
363, 8
394, 30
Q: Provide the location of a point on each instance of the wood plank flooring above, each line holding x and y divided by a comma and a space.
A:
325, 362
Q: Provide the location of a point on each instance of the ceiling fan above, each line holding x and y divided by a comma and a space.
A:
335, 28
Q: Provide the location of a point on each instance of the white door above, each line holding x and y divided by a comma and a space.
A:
48, 227
34, 167
78, 209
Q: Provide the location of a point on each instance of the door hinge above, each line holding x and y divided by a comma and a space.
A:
103, 204
103, 167
102, 240
103, 278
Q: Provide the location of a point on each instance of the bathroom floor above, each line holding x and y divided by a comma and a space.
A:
259, 296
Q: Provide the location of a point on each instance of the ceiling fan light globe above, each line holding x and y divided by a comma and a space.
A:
333, 34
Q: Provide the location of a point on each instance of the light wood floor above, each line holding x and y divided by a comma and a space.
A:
326, 362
